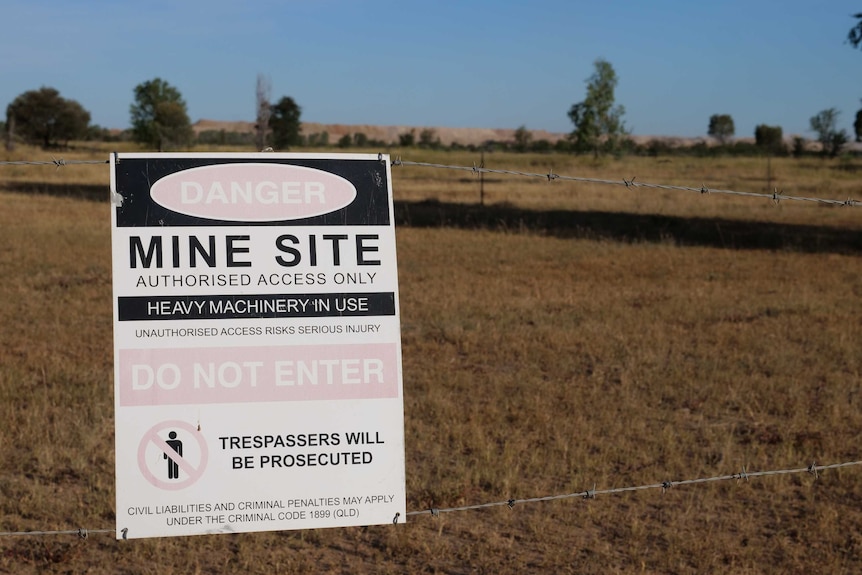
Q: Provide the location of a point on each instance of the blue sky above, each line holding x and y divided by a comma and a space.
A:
467, 63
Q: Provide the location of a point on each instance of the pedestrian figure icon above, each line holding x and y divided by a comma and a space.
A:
176, 445
184, 450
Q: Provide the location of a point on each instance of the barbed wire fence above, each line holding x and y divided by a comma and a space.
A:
632, 183
744, 475
812, 469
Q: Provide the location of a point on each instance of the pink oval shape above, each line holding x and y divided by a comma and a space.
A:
253, 192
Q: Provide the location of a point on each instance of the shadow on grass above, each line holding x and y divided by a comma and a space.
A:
625, 227
90, 192
613, 226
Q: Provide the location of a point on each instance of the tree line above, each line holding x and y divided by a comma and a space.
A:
158, 117
159, 120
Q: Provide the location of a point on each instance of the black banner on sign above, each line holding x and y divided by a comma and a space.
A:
256, 306
136, 177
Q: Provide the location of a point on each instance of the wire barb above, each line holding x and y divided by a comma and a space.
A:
665, 485
511, 503
812, 469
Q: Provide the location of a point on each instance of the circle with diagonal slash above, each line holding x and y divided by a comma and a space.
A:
192, 472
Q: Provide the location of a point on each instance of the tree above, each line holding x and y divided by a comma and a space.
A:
855, 34
360, 140
597, 122
721, 127
43, 117
428, 139
407, 139
522, 139
770, 138
830, 137
263, 110
857, 126
285, 124
159, 116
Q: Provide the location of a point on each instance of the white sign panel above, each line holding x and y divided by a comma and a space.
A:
257, 343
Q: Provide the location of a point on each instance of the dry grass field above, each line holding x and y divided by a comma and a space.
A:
560, 337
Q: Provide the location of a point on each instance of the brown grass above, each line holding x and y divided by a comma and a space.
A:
564, 336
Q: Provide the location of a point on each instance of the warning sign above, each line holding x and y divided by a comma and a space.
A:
257, 343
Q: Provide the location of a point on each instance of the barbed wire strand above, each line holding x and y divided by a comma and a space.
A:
664, 486
776, 196
628, 183
812, 469
59, 162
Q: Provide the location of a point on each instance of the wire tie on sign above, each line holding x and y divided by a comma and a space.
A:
82, 533
379, 156
591, 493
812, 469
267, 149
396, 161
742, 475
665, 485
125, 532
511, 504
434, 512
395, 519
117, 199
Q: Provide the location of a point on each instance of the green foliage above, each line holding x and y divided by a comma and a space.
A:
721, 127
225, 138
284, 121
541, 146
799, 148
854, 36
43, 117
360, 140
317, 139
428, 139
769, 138
522, 139
407, 139
159, 117
598, 123
857, 126
830, 137
345, 141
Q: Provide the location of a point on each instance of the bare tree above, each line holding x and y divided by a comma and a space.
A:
264, 110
